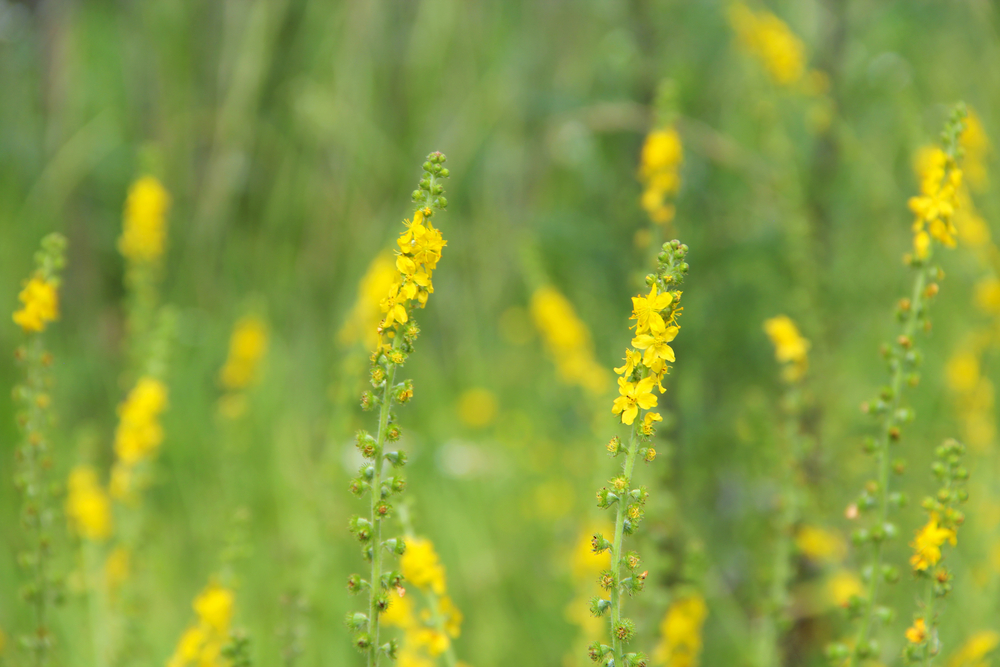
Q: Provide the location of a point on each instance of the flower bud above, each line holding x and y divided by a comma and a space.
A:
397, 459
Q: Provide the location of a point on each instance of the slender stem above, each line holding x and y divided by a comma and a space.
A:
616, 547
376, 521
931, 625
882, 456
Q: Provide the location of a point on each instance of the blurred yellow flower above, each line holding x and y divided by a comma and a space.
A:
214, 606
567, 340
117, 568
88, 506
145, 227
365, 315
420, 565
820, 544
477, 407
769, 39
662, 154
988, 295
139, 433
976, 144
681, 632
844, 585
975, 649
962, 372
40, 305
247, 346
917, 633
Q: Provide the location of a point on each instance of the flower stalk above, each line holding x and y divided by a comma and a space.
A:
646, 364
420, 247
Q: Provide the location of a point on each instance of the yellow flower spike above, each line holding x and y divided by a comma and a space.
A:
139, 433
681, 632
40, 301
634, 396
420, 565
214, 606
145, 227
567, 340
769, 39
975, 649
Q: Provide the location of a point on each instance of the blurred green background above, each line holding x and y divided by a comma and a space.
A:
289, 134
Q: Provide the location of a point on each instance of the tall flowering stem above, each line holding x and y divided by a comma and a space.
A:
647, 361
420, 247
39, 306
934, 209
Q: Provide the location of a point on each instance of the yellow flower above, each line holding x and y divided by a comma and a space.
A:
962, 372
976, 144
632, 359
927, 544
646, 311
648, 420
139, 433
843, 586
88, 506
420, 565
365, 315
40, 305
662, 154
117, 568
451, 615
656, 346
421, 242
789, 346
145, 227
433, 641
917, 633
681, 631
634, 395
214, 606
988, 296
393, 305
977, 647
408, 658
922, 244
819, 544
768, 38
567, 340
400, 612
247, 346
477, 407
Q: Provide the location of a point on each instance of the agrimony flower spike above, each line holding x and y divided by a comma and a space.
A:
419, 249
39, 307
646, 363
934, 209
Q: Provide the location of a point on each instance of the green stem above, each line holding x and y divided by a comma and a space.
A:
882, 456
376, 491
616, 547
931, 624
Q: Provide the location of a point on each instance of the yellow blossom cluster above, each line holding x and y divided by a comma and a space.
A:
917, 633
790, 348
419, 251
427, 634
681, 632
927, 545
769, 39
935, 206
39, 305
365, 315
646, 364
247, 346
139, 433
201, 644
144, 232
88, 506
567, 340
659, 173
